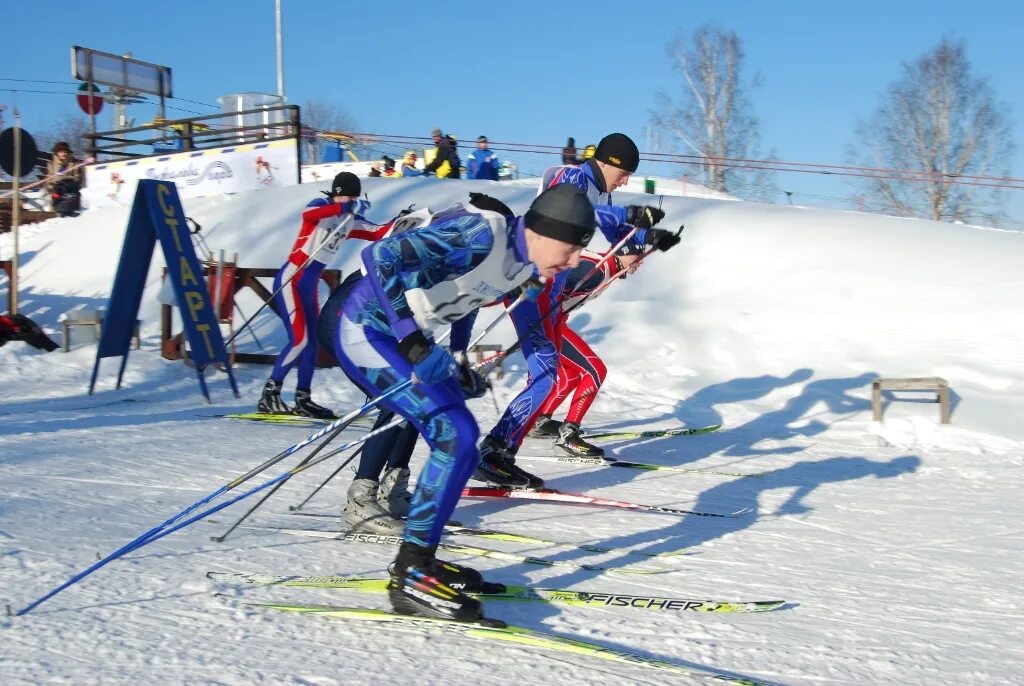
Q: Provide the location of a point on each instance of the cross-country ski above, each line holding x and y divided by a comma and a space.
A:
517, 593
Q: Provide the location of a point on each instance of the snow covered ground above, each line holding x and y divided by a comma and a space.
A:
897, 546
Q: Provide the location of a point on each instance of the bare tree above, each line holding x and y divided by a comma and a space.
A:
321, 116
940, 122
713, 117
71, 128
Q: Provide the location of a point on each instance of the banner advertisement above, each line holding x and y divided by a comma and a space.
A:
230, 169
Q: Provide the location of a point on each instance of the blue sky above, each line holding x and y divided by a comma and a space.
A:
527, 71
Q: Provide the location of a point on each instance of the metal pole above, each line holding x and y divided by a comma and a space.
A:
16, 211
280, 51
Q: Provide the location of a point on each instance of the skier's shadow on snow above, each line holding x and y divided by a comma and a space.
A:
792, 420
788, 422
691, 531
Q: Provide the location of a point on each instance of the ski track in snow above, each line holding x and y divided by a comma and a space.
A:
861, 607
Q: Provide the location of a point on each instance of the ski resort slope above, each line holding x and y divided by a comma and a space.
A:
897, 545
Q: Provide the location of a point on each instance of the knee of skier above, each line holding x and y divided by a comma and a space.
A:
467, 432
454, 431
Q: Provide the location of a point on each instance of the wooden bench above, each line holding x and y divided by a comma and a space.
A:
935, 384
93, 318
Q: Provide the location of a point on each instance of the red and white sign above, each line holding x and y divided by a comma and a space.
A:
91, 102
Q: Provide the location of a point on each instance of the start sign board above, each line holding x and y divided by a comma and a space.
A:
157, 215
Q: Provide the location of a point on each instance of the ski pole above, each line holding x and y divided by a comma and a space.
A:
579, 303
180, 525
221, 538
481, 365
555, 306
343, 422
607, 282
282, 286
47, 179
273, 295
316, 490
272, 491
162, 529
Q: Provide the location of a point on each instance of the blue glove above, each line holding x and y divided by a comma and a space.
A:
430, 363
438, 365
358, 207
532, 289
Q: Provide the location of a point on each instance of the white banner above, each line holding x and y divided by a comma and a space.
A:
198, 173
313, 173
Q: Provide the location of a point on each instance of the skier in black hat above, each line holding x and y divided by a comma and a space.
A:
417, 283
325, 223
543, 324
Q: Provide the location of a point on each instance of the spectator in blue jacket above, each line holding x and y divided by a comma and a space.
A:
482, 163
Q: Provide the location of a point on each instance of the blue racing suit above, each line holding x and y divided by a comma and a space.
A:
425, 279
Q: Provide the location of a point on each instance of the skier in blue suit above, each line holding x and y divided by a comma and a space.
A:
418, 282
537, 322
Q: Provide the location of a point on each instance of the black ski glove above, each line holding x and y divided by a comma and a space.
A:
473, 384
661, 239
643, 217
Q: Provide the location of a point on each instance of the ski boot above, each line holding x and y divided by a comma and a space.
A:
418, 586
271, 402
305, 407
393, 494
462, 579
495, 459
533, 482
570, 441
363, 512
545, 427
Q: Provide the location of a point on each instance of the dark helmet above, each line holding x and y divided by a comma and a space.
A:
618, 150
564, 213
345, 183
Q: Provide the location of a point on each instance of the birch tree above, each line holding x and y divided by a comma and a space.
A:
937, 124
712, 116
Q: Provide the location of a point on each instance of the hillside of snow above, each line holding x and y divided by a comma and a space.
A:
896, 545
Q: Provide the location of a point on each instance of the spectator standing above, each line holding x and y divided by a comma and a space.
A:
446, 160
482, 163
64, 180
408, 167
569, 152
389, 168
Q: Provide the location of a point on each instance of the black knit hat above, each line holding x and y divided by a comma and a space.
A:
345, 183
618, 150
563, 213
